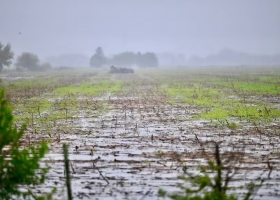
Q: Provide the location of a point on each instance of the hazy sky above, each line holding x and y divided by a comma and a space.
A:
54, 27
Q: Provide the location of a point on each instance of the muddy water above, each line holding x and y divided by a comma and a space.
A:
139, 146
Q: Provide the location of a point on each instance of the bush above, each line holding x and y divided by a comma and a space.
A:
45, 67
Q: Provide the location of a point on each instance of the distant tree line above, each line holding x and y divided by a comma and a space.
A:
26, 61
30, 61
126, 59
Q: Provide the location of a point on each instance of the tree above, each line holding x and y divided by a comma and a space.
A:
129, 58
6, 55
98, 59
124, 59
28, 60
17, 167
147, 60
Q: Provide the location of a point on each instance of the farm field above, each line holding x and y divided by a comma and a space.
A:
131, 134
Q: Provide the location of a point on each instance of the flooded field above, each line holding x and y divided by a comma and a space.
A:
131, 134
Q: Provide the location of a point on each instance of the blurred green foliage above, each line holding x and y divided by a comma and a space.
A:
19, 165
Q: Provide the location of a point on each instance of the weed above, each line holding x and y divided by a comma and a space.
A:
208, 187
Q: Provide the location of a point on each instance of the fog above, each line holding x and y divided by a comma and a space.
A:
183, 27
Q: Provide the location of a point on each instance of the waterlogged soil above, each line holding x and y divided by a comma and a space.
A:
142, 143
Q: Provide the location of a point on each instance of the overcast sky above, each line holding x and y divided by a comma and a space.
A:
55, 27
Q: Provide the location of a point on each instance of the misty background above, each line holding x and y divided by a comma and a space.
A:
180, 32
